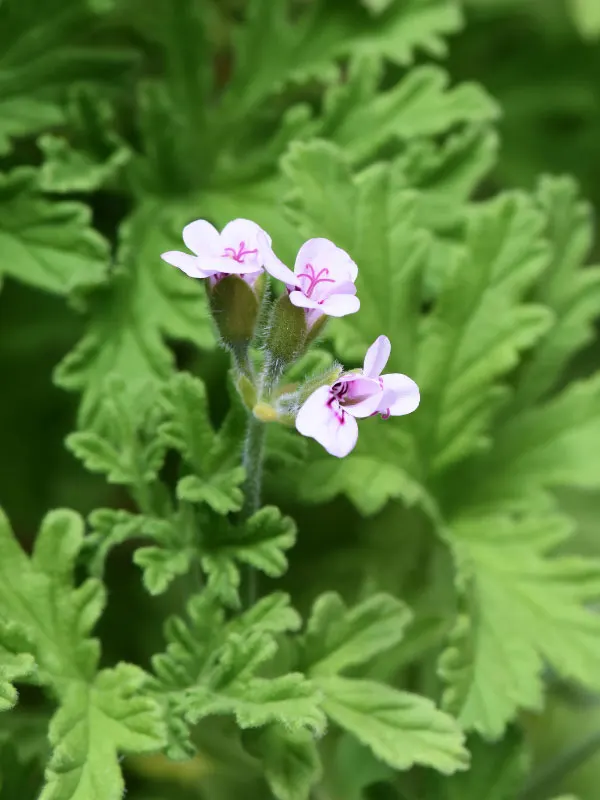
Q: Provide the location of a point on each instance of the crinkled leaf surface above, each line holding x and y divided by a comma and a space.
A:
145, 302
524, 609
39, 596
402, 729
337, 637
15, 661
291, 762
97, 722
571, 292
45, 244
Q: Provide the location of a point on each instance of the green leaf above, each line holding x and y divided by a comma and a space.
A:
187, 427
401, 729
94, 725
478, 328
47, 245
309, 46
15, 661
222, 492
289, 700
38, 596
125, 446
92, 156
586, 15
42, 53
215, 667
145, 302
497, 772
524, 610
370, 478
572, 293
161, 566
111, 527
291, 762
554, 444
337, 637
361, 119
260, 542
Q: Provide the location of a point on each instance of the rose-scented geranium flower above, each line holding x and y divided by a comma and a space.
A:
237, 250
322, 281
329, 415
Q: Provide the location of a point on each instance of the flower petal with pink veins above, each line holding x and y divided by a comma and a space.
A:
377, 356
338, 305
322, 418
323, 254
362, 397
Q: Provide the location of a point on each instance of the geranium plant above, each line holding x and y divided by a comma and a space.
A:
404, 392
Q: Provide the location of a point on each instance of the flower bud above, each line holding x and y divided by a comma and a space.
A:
286, 338
234, 305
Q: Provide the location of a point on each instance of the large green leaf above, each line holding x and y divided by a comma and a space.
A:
95, 724
145, 302
524, 609
48, 245
401, 729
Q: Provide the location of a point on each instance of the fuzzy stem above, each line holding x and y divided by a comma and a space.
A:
253, 463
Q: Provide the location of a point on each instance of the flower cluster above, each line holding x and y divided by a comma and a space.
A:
322, 284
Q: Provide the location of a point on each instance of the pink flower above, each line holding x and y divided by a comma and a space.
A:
322, 281
329, 415
237, 250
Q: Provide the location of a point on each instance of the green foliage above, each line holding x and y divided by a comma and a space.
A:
120, 122
526, 610
47, 245
49, 620
95, 722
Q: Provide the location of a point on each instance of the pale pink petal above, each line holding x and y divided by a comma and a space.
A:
401, 395
277, 268
338, 305
242, 240
323, 254
299, 299
202, 238
323, 419
377, 356
362, 397
186, 263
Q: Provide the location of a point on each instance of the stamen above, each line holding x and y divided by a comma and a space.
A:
230, 252
314, 279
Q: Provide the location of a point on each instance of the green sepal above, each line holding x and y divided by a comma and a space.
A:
234, 306
317, 329
286, 339
247, 391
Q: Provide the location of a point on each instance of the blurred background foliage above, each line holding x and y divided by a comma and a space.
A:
540, 59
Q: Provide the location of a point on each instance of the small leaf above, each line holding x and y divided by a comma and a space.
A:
144, 302
401, 729
291, 762
16, 661
337, 638
40, 599
222, 492
289, 700
92, 727
161, 566
47, 245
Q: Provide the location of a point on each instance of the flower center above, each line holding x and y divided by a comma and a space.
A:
339, 390
238, 255
314, 279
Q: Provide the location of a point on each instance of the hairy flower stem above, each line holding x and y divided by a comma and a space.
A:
253, 463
